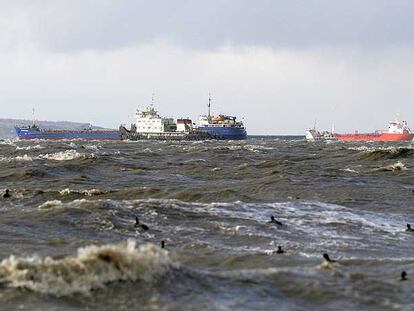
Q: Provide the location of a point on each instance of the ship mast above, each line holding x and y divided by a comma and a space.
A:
209, 105
33, 115
152, 99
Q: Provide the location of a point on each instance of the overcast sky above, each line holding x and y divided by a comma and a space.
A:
279, 65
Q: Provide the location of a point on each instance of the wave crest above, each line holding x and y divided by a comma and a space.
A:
66, 156
23, 158
396, 167
93, 267
88, 192
385, 153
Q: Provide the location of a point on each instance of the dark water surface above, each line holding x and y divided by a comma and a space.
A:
68, 240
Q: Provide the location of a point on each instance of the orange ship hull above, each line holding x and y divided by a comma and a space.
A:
374, 137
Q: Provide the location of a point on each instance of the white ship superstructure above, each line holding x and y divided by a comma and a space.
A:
149, 121
397, 127
184, 125
315, 135
150, 125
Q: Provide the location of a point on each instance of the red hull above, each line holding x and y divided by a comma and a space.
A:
374, 137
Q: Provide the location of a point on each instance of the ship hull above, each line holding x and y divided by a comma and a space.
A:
178, 136
33, 133
224, 133
375, 137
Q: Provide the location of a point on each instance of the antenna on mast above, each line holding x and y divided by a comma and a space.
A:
33, 115
209, 105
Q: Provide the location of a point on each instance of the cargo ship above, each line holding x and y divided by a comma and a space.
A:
150, 125
222, 127
34, 132
397, 131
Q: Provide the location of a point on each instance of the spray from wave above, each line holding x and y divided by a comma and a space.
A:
93, 267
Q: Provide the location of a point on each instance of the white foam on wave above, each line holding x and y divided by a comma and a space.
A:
8, 142
349, 170
93, 267
59, 204
398, 166
87, 192
35, 147
93, 147
23, 158
51, 204
67, 155
257, 148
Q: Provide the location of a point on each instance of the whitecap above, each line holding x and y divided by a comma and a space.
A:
398, 166
24, 158
66, 155
92, 268
86, 192
51, 204
35, 147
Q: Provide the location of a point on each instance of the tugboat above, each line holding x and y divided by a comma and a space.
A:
222, 127
397, 131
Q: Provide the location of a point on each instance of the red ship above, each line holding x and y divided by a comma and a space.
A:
397, 131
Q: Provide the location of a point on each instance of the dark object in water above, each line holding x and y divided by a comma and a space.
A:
403, 276
138, 225
326, 256
409, 228
162, 244
6, 194
274, 221
279, 250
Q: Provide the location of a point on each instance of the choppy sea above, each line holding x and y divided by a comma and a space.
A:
68, 239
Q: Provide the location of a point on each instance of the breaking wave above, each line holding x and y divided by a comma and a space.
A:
66, 156
35, 147
92, 268
384, 153
51, 204
396, 167
88, 192
24, 158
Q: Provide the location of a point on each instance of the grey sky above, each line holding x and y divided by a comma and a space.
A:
278, 64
